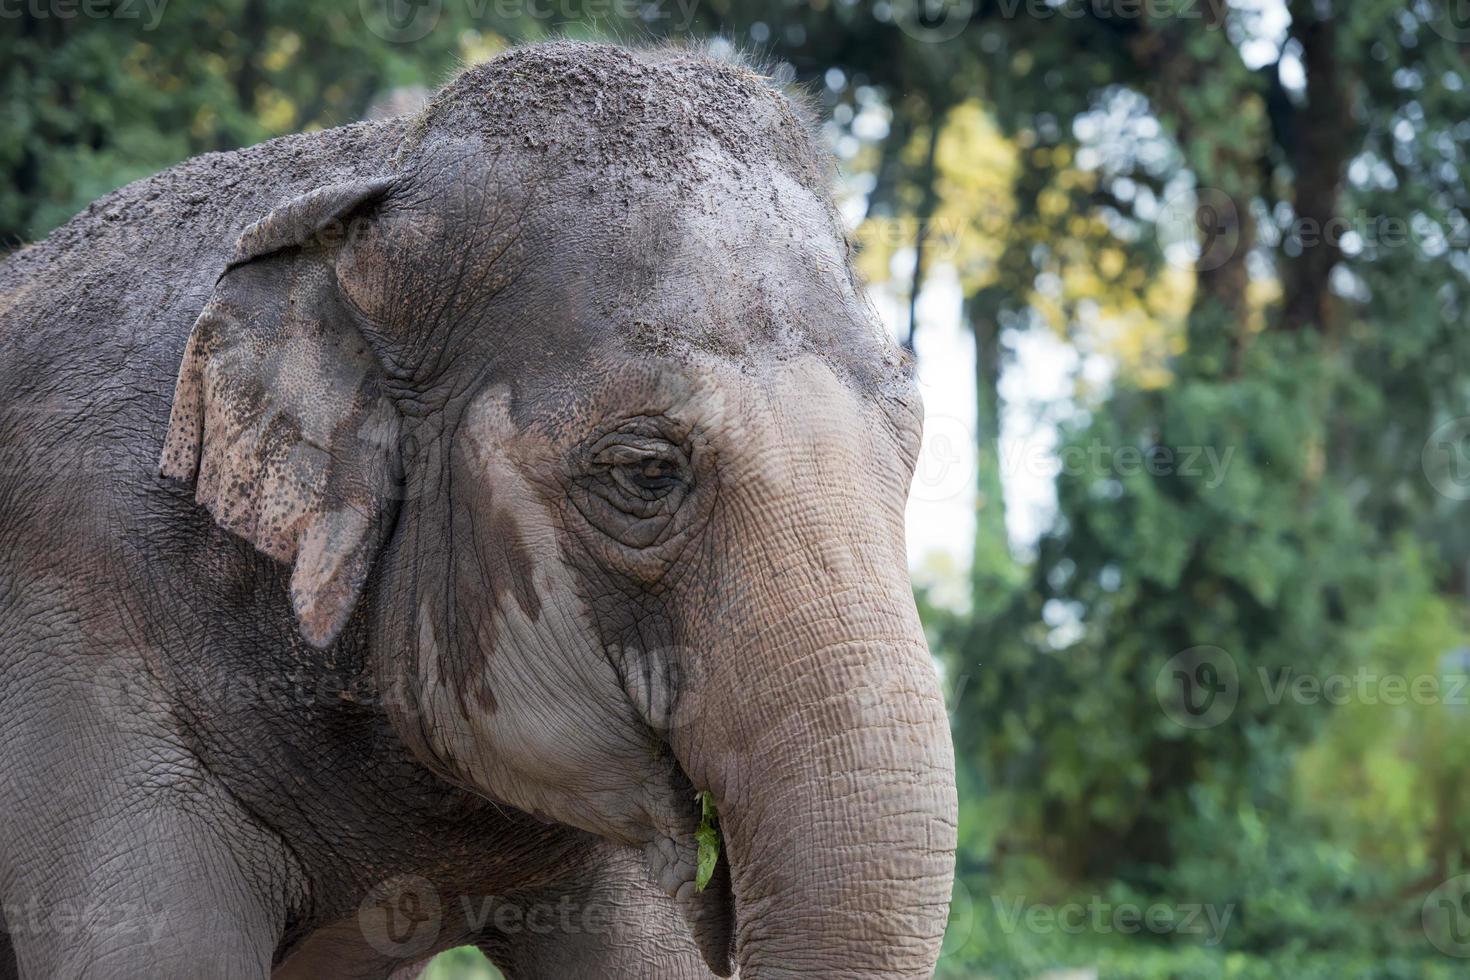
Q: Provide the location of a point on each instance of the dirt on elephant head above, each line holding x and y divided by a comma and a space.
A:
626, 113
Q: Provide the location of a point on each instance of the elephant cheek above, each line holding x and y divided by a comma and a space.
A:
521, 705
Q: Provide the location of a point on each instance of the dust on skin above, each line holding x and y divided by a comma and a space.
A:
621, 115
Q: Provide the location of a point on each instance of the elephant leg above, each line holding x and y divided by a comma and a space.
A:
158, 894
122, 856
608, 920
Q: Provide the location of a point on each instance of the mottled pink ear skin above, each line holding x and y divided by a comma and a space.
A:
279, 418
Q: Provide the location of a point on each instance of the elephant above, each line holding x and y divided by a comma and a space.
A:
483, 526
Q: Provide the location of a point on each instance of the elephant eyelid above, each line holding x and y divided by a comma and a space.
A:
638, 472
622, 454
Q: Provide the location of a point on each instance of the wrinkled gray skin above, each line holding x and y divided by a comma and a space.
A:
453, 497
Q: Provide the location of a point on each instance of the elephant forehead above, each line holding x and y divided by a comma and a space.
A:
749, 269
802, 409
802, 405
759, 219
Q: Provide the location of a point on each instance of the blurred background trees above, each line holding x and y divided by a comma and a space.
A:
1242, 230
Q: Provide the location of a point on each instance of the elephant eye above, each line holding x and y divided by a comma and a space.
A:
655, 474
632, 484
648, 470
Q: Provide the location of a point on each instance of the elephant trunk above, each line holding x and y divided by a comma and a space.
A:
833, 771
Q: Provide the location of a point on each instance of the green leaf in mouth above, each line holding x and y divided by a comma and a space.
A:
708, 838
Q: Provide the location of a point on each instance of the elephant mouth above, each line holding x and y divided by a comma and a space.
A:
710, 911
711, 915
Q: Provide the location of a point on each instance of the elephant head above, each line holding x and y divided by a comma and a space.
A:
579, 417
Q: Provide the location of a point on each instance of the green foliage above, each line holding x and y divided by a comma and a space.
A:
1324, 820
708, 838
463, 963
1232, 543
1386, 777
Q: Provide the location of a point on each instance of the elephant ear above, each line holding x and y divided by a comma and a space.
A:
280, 416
